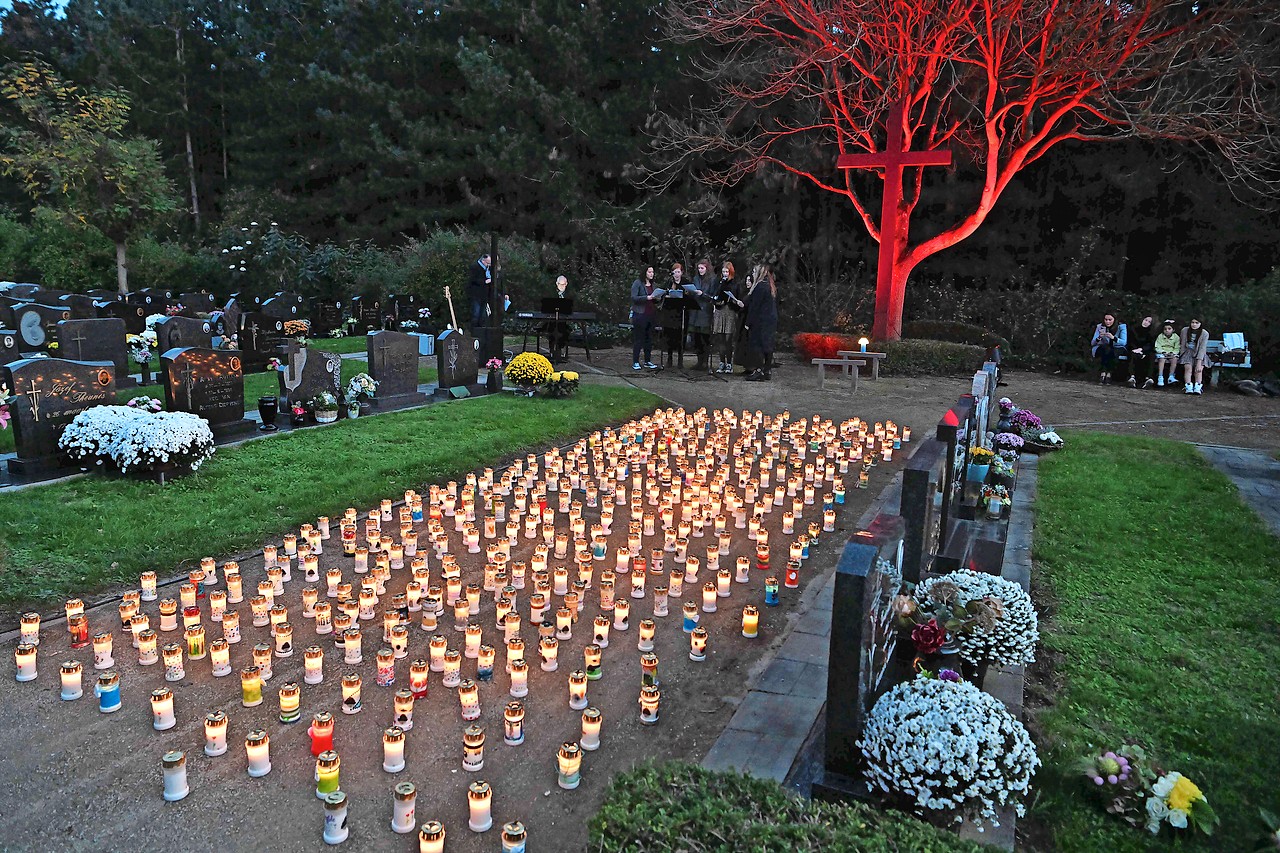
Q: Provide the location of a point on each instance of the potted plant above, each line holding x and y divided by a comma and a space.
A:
138, 440
979, 464
359, 392
1006, 628
996, 498
493, 383
563, 383
298, 414
935, 618
325, 406
528, 370
1002, 469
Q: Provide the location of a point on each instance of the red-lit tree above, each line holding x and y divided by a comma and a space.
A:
998, 82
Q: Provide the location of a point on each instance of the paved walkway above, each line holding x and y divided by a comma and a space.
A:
1255, 473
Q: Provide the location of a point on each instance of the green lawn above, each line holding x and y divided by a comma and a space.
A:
1160, 602
88, 534
348, 344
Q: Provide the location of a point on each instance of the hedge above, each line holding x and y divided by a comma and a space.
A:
679, 806
906, 357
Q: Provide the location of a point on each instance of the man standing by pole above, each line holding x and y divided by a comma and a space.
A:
478, 289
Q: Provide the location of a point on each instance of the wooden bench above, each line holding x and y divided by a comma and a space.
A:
873, 357
1216, 352
847, 366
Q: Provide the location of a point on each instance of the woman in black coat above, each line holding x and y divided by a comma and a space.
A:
760, 322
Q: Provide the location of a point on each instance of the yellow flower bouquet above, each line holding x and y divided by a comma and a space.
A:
528, 369
562, 383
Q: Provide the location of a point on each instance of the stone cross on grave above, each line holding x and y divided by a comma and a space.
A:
892, 160
383, 346
188, 381
288, 349
33, 395
78, 340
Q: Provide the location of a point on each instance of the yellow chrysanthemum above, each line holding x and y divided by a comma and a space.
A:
570, 375
528, 368
555, 377
1184, 793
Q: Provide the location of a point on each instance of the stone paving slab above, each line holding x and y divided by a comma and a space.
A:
1256, 475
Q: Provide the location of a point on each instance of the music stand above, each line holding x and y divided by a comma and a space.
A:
555, 306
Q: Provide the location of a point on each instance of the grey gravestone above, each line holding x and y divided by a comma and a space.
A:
457, 359
393, 363
9, 348
921, 506
208, 383
308, 372
134, 316
864, 634
97, 340
36, 323
173, 332
50, 392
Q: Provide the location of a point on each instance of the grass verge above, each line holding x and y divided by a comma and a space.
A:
87, 534
1160, 609
679, 806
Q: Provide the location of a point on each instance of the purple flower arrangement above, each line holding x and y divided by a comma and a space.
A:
1009, 441
1025, 420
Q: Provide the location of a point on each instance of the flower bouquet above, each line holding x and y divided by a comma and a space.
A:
6, 400
979, 464
298, 411
1002, 468
936, 618
338, 333
948, 751
562, 383
361, 388
325, 406
1140, 793
1008, 627
996, 499
146, 404
1177, 801
408, 326
138, 439
274, 363
528, 370
297, 328
493, 382
1008, 441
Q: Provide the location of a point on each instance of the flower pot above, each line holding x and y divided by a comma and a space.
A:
995, 509
493, 383
298, 420
977, 473
353, 410
326, 416
268, 410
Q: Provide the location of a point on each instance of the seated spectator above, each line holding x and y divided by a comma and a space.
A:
1193, 344
1166, 352
1109, 340
1141, 352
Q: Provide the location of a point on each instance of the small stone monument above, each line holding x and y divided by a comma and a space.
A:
208, 383
97, 340
307, 372
393, 363
49, 393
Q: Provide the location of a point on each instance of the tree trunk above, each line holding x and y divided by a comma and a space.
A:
186, 127
122, 269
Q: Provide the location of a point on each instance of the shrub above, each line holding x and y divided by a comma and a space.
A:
667, 806
956, 333
913, 358
810, 345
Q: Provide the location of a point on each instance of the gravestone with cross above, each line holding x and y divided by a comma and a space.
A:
97, 340
208, 383
308, 372
36, 324
134, 316
393, 363
863, 661
326, 315
259, 337
49, 393
367, 312
174, 332
457, 359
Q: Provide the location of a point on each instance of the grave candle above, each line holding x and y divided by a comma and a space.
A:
479, 801
548, 648
258, 606
621, 612
147, 653
257, 747
290, 700
328, 772
691, 614
698, 644
677, 582
403, 807
473, 748
469, 699
102, 645
519, 672
393, 749
250, 687
591, 721
321, 732
771, 591
436, 648
484, 664
577, 690
660, 601
791, 579
592, 657
431, 837
647, 630
70, 673
648, 669
564, 623
187, 595
750, 621
351, 638
324, 618
128, 609
107, 689
162, 717
215, 733
148, 583
649, 701
601, 637
168, 615
174, 769
190, 616
262, 660
351, 687
173, 669
569, 766
452, 668
335, 818
235, 586
386, 668
195, 642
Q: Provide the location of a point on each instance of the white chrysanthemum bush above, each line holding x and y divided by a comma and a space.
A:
948, 750
1009, 639
133, 440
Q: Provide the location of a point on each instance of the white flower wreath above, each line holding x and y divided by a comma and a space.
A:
949, 747
1009, 640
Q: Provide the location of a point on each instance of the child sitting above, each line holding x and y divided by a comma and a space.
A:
1167, 344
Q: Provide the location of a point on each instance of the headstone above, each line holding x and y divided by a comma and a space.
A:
393, 363
22, 291
921, 506
208, 383
864, 633
367, 312
326, 315
36, 323
82, 306
173, 332
283, 306
198, 303
154, 299
10, 350
49, 393
259, 337
307, 372
134, 316
97, 340
457, 359
404, 306
228, 321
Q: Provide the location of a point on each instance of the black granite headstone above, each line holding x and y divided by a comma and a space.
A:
393, 363
82, 306
134, 316
367, 312
24, 292
208, 383
259, 337
173, 332
283, 306
326, 315
921, 507
9, 347
97, 340
196, 304
307, 372
864, 636
49, 393
457, 359
154, 299
36, 323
